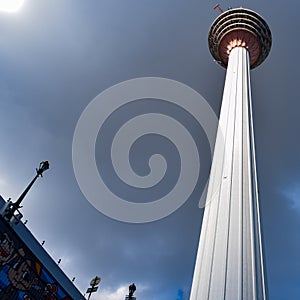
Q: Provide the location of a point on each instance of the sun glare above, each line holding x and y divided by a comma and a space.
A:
10, 5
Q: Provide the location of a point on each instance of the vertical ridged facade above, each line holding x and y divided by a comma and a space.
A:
229, 263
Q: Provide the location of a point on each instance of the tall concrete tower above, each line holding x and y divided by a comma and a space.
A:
229, 263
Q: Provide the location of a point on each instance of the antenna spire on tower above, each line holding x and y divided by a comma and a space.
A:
219, 8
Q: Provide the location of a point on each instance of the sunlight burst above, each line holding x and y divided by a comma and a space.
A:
10, 5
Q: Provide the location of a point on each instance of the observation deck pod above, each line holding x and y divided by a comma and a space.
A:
240, 27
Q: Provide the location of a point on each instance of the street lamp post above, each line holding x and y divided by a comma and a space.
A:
132, 289
93, 286
10, 208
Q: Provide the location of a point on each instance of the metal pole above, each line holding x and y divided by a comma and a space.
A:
44, 165
92, 286
16, 205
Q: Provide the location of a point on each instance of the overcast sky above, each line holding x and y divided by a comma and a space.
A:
57, 55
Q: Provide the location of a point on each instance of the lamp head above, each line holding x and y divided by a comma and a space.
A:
44, 165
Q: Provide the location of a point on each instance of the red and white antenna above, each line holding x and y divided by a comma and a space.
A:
219, 8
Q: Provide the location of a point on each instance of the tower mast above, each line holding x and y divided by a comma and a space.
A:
229, 263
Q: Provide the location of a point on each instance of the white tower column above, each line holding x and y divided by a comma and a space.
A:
229, 262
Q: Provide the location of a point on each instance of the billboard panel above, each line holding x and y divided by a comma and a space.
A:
22, 276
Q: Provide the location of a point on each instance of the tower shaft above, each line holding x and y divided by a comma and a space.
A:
229, 263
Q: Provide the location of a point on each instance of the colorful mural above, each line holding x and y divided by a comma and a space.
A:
22, 276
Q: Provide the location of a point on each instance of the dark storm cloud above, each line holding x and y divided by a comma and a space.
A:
56, 56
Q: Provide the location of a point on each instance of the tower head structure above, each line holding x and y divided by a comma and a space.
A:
240, 27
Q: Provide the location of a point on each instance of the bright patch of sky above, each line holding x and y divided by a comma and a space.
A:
293, 194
